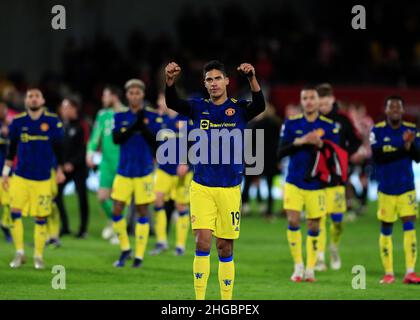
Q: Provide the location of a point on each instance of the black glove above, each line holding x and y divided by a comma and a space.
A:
250, 74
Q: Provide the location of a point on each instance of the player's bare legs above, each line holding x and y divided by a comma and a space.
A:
224, 247
142, 233
120, 228
203, 239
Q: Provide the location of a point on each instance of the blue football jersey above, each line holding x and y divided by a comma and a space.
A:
228, 116
136, 155
300, 161
35, 138
395, 177
173, 126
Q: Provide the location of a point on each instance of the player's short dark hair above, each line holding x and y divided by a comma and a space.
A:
394, 97
116, 91
32, 88
214, 65
308, 87
325, 90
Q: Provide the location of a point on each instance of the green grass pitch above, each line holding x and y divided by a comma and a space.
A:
262, 260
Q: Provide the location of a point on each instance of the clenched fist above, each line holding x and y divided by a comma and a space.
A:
247, 70
172, 70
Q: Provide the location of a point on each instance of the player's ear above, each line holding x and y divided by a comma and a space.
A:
226, 80
42, 101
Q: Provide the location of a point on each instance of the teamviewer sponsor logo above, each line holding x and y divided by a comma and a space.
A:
213, 145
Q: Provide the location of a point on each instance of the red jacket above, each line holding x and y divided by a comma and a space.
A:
330, 164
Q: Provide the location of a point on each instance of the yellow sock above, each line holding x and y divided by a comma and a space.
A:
226, 277
142, 235
312, 242
16, 230
410, 249
336, 228
40, 236
385, 245
53, 222
160, 225
294, 237
6, 219
322, 236
182, 228
120, 228
201, 270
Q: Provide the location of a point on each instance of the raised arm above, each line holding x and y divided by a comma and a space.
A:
173, 101
257, 104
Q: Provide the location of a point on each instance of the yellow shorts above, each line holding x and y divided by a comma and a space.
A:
390, 207
336, 199
216, 209
4, 195
123, 189
165, 183
314, 201
31, 197
54, 185
173, 187
181, 193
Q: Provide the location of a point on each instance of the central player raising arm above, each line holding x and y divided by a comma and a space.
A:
215, 194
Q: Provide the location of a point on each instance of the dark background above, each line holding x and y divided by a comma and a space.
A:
290, 43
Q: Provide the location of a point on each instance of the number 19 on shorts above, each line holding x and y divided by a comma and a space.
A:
235, 218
